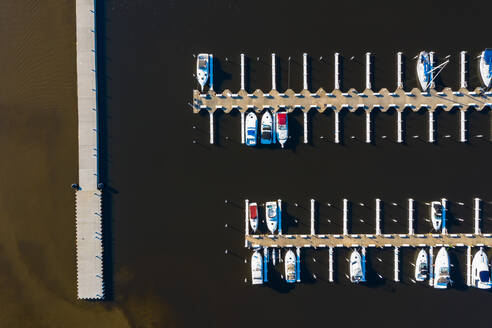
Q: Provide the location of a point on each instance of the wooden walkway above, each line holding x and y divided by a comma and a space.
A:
88, 197
364, 240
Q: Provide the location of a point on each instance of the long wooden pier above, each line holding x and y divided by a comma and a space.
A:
88, 197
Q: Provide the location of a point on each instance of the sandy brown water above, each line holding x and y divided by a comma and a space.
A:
164, 198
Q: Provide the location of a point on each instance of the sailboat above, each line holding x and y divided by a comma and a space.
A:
290, 266
424, 67
257, 268
441, 268
481, 270
486, 67
421, 266
202, 69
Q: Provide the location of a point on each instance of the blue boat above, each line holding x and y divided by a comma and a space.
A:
266, 128
486, 67
424, 68
251, 127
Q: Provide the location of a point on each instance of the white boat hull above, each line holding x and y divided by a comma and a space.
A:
436, 219
202, 69
441, 269
253, 221
422, 70
357, 274
251, 128
485, 69
257, 268
422, 262
281, 130
266, 135
290, 266
481, 271
271, 215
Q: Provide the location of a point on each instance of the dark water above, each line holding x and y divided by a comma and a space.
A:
164, 200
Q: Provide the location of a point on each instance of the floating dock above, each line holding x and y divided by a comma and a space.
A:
88, 197
352, 100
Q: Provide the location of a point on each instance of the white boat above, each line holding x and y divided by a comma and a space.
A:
266, 128
253, 216
424, 66
251, 127
271, 215
356, 271
290, 266
486, 67
421, 266
441, 270
481, 270
436, 215
202, 69
282, 127
257, 268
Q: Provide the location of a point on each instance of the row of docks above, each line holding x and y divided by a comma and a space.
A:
352, 100
273, 244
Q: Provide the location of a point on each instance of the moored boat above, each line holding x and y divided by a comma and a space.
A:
253, 216
421, 266
424, 67
290, 266
282, 129
257, 268
271, 215
266, 128
357, 273
202, 69
436, 215
485, 65
442, 278
481, 270
251, 127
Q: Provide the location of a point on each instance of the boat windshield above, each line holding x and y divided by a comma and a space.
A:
484, 276
251, 133
444, 272
202, 63
423, 268
438, 209
271, 211
266, 135
291, 271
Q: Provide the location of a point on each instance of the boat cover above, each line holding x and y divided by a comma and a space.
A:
253, 212
282, 118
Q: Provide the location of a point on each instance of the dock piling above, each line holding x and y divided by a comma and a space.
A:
462, 125
304, 69
345, 216
378, 216
305, 127
330, 265
368, 71
399, 83
410, 217
337, 71
468, 266
463, 82
313, 232
397, 262
477, 215
431, 266
274, 73
431, 126
242, 72
368, 126
211, 115
242, 128
337, 127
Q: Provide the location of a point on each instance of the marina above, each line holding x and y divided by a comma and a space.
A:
439, 240
368, 100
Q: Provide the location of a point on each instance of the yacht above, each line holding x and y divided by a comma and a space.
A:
424, 67
271, 215
251, 129
441, 270
202, 69
282, 128
253, 216
257, 268
436, 215
357, 274
422, 266
481, 270
266, 128
486, 67
290, 266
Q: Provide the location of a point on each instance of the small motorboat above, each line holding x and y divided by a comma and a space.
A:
281, 127
257, 268
424, 67
436, 215
290, 266
271, 215
266, 128
202, 69
441, 268
251, 127
253, 216
357, 273
481, 270
486, 67
421, 266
